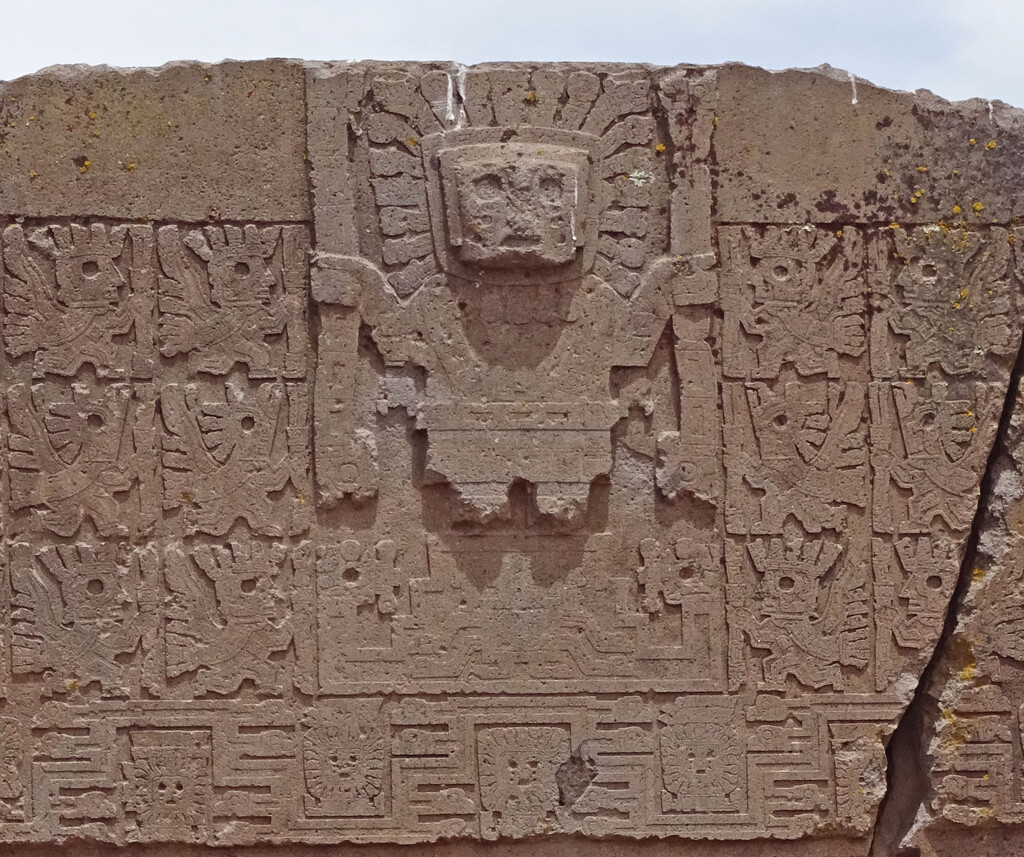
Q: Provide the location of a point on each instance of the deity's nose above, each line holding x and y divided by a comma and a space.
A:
521, 222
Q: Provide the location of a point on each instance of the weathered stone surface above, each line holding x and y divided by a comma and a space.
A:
187, 142
972, 704
417, 452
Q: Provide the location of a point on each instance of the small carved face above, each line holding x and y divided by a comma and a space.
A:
789, 591
87, 280
784, 279
701, 760
927, 592
248, 596
240, 278
514, 205
95, 592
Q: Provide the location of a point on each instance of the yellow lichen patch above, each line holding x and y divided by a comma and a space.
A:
977, 206
894, 225
659, 148
85, 165
922, 169
412, 141
957, 209
990, 145
32, 174
977, 574
92, 114
531, 96
839, 233
972, 141
967, 673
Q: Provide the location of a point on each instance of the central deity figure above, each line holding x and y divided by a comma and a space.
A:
526, 263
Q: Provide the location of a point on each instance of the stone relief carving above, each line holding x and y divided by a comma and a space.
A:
531, 496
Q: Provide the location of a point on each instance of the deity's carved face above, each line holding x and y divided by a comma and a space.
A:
514, 205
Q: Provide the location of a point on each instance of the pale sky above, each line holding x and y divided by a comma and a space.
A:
956, 48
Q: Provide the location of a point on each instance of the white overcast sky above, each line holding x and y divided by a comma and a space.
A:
956, 48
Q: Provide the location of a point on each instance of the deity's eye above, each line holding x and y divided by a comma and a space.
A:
90, 268
242, 269
488, 187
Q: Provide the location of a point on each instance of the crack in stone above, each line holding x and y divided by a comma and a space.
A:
907, 770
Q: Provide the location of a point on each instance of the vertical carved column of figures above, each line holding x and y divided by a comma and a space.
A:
976, 739
942, 340
80, 443
795, 360
5, 587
